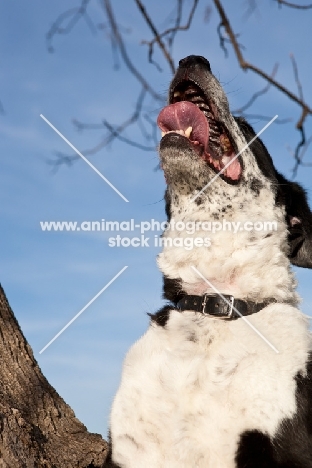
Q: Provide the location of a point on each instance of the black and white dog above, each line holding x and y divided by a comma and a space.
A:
202, 389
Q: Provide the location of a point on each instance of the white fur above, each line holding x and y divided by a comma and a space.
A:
184, 398
190, 389
249, 264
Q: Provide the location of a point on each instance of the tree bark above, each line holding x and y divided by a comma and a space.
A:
37, 428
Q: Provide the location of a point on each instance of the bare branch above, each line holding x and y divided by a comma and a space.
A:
157, 39
122, 49
223, 39
297, 151
305, 109
164, 40
73, 15
293, 5
255, 96
186, 26
246, 65
296, 73
61, 159
114, 132
178, 20
299, 157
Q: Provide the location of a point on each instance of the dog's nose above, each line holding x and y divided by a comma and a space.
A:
193, 61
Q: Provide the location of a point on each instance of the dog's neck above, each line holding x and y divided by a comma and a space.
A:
250, 264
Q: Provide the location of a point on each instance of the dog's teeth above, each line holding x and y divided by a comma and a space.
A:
214, 128
198, 100
188, 132
163, 134
203, 106
225, 143
191, 90
176, 94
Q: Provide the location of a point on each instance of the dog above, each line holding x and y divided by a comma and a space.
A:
223, 376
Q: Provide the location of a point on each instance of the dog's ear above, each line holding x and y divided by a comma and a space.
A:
299, 219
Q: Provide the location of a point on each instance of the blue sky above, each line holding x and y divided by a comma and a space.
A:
49, 277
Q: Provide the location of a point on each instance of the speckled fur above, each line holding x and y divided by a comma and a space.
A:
196, 390
232, 262
186, 401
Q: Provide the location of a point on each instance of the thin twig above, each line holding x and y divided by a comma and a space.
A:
296, 73
122, 49
298, 157
258, 93
174, 29
116, 134
178, 20
293, 5
74, 15
161, 44
113, 133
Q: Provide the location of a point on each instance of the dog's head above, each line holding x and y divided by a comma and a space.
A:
198, 150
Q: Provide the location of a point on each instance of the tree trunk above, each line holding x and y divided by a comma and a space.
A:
37, 428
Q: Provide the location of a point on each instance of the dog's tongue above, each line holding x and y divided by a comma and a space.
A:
181, 116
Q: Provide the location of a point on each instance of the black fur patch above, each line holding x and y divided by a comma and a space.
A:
259, 150
173, 291
162, 316
293, 441
255, 451
292, 445
256, 186
300, 235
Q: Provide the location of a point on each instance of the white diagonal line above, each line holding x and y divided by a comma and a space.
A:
232, 160
83, 309
234, 308
84, 158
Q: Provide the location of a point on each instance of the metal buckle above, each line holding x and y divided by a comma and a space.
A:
231, 310
230, 313
204, 304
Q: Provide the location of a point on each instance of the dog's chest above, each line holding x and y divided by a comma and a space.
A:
187, 394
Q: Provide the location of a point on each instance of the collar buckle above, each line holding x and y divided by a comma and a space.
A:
230, 314
205, 299
229, 310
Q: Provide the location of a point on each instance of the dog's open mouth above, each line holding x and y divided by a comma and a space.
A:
190, 115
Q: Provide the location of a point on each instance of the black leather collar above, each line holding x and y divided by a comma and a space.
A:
225, 306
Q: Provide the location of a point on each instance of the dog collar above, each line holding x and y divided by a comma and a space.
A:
225, 307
